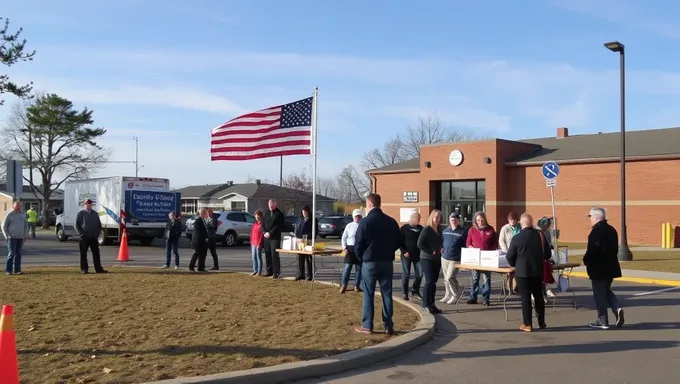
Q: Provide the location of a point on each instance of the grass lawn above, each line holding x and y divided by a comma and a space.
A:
660, 261
135, 325
572, 245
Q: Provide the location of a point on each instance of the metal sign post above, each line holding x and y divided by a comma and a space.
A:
550, 171
15, 178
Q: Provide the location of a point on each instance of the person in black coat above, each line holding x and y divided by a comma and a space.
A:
602, 265
173, 232
199, 242
273, 226
303, 227
430, 243
211, 225
528, 253
410, 256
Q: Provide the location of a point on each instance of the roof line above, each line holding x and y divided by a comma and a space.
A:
596, 160
379, 172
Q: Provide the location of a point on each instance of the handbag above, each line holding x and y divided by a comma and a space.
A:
548, 277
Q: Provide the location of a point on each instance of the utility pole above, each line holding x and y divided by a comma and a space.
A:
136, 156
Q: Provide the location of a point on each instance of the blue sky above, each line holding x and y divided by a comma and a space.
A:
169, 71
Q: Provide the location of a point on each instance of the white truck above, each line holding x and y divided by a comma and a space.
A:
144, 202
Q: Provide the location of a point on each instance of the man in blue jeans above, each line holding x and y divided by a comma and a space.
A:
376, 240
15, 229
410, 256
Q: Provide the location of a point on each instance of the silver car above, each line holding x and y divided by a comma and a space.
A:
233, 227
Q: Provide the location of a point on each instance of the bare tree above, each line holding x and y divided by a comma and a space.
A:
354, 185
431, 130
328, 187
54, 140
298, 181
391, 153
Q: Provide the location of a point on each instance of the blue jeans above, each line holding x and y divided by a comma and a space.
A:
171, 246
14, 247
348, 271
256, 254
406, 275
486, 288
380, 272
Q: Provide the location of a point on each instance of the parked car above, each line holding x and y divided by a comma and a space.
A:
233, 227
289, 226
51, 219
333, 225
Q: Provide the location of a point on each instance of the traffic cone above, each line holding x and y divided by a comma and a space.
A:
9, 365
123, 252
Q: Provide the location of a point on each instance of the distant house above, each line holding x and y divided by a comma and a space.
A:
27, 199
248, 197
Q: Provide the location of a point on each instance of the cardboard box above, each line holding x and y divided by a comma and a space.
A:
493, 259
562, 256
470, 256
289, 243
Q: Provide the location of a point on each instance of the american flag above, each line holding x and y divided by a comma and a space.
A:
283, 130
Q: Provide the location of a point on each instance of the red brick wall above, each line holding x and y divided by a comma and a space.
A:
653, 191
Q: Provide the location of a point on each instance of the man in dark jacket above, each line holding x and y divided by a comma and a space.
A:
211, 226
376, 241
410, 256
273, 225
527, 253
173, 232
199, 242
602, 265
89, 227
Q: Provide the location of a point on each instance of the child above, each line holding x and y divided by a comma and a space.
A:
256, 244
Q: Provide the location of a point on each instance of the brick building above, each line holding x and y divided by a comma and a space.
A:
499, 176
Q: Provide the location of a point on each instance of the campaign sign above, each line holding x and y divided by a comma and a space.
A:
149, 206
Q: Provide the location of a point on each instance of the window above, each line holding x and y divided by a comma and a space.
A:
238, 205
249, 218
465, 197
237, 217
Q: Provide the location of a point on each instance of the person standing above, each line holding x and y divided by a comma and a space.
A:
303, 227
482, 236
273, 225
15, 230
454, 237
351, 259
256, 242
430, 245
32, 217
211, 225
410, 256
602, 265
508, 231
173, 232
376, 242
528, 253
89, 227
199, 242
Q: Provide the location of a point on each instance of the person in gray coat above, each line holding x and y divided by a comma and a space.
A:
15, 229
89, 227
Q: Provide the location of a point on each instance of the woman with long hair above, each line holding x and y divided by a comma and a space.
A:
430, 244
484, 237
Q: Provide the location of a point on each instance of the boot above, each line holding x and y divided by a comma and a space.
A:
343, 289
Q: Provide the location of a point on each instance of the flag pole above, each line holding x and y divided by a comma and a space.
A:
314, 157
281, 171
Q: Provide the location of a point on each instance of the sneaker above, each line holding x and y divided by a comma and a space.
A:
620, 320
526, 328
445, 299
452, 300
165, 267
253, 274
363, 330
176, 267
416, 295
550, 293
598, 325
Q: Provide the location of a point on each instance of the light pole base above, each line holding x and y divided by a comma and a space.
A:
624, 253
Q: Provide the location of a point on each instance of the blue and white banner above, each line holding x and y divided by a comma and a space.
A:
150, 206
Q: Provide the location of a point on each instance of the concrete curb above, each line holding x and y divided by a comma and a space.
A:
639, 280
325, 366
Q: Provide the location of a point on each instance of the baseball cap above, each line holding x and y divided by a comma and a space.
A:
454, 215
88, 201
356, 212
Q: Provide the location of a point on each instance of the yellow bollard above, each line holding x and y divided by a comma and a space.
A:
667, 235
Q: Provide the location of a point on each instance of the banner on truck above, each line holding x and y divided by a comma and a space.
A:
150, 205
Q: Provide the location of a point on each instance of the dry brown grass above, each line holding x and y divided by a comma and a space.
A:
660, 261
141, 325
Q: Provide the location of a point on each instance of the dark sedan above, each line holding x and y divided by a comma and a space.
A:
333, 225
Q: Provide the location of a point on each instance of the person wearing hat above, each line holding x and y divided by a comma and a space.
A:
454, 238
89, 227
351, 258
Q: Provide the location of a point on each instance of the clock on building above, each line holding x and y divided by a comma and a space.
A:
456, 158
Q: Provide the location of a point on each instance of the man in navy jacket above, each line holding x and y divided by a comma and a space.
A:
376, 241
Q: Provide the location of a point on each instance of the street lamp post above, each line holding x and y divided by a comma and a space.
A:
624, 251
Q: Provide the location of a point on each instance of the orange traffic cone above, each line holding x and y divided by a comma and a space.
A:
9, 366
123, 252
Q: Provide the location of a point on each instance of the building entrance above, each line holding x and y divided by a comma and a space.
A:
465, 197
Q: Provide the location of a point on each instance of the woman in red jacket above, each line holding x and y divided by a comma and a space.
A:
256, 244
482, 236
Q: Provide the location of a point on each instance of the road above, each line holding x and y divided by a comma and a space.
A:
476, 345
